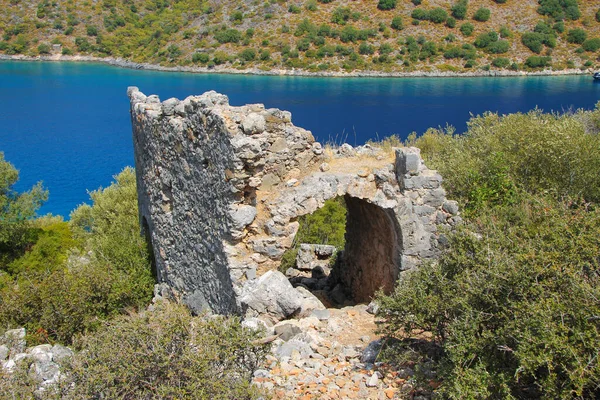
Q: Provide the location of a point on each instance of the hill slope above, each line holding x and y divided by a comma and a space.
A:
310, 35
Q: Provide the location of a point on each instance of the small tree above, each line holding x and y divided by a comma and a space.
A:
397, 23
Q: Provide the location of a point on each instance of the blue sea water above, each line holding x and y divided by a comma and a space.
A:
67, 124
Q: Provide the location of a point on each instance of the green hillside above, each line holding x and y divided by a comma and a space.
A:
324, 35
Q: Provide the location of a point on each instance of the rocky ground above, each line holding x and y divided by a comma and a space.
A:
333, 354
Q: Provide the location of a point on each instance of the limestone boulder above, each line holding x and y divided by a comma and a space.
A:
271, 295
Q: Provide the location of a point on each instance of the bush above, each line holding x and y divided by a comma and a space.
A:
538, 62
294, 9
467, 29
482, 14
311, 5
166, 353
459, 10
57, 301
501, 62
420, 14
228, 36
397, 23
341, 15
559, 9
485, 39
200, 57
438, 15
577, 36
247, 55
499, 47
521, 274
91, 30
43, 49
533, 41
505, 32
451, 22
591, 45
386, 4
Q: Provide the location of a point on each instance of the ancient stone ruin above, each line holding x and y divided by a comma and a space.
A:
221, 189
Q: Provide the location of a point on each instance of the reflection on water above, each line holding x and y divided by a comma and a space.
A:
68, 124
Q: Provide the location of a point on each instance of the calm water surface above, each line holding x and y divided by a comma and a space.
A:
68, 125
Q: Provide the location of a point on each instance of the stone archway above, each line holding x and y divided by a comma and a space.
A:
221, 189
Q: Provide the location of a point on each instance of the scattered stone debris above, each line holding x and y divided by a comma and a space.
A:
332, 354
43, 361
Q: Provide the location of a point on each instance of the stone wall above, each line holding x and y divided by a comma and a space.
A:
221, 188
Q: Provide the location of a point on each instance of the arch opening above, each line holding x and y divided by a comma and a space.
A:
352, 269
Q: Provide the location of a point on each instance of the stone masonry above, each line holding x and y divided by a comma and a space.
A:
221, 188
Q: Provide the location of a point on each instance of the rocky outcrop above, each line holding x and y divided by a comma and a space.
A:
221, 188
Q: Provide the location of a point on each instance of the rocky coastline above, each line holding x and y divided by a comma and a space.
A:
123, 63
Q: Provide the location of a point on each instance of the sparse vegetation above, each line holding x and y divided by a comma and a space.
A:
167, 32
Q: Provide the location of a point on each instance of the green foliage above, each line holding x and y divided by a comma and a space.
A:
397, 23
247, 55
512, 303
311, 5
505, 32
228, 36
451, 22
55, 299
49, 251
559, 9
43, 49
200, 57
577, 36
485, 39
327, 225
294, 9
341, 15
501, 62
166, 353
482, 14
467, 29
459, 9
386, 4
591, 45
16, 213
438, 15
534, 41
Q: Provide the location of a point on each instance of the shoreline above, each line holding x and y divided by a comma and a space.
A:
122, 63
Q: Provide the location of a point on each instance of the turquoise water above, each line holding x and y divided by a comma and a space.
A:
68, 125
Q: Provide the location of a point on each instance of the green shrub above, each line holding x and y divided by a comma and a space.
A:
559, 9
311, 5
341, 15
591, 44
577, 36
228, 36
420, 14
386, 4
459, 9
538, 61
533, 41
200, 57
501, 62
397, 23
485, 39
43, 49
166, 353
91, 30
294, 9
467, 29
499, 47
365, 49
512, 302
482, 14
438, 15
451, 22
505, 32
247, 55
